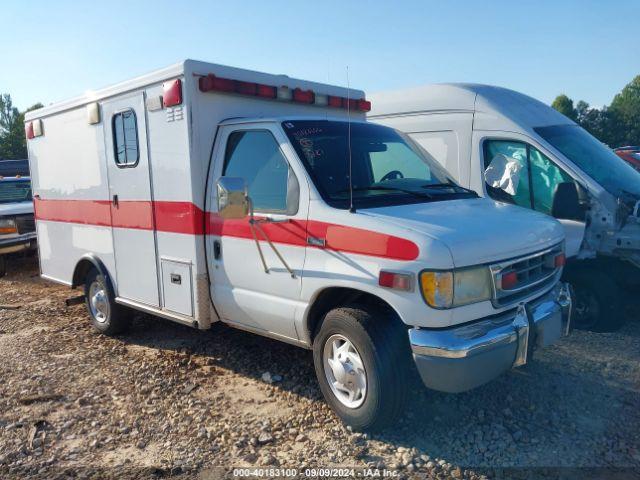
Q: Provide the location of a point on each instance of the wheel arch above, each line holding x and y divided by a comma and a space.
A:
332, 297
82, 268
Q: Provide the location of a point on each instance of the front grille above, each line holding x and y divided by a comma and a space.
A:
25, 224
534, 273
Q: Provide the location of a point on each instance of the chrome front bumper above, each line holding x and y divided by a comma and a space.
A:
461, 358
17, 243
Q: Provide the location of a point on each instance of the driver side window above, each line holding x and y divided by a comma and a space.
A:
507, 172
537, 176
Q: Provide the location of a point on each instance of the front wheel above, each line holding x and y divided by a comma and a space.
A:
362, 362
3, 266
106, 315
597, 304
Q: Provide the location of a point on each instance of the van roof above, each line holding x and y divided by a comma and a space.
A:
186, 68
510, 105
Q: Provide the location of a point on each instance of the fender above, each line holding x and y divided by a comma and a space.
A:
82, 267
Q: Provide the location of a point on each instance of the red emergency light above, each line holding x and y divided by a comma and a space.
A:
28, 129
172, 93
209, 83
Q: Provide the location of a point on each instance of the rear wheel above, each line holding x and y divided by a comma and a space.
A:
597, 305
3, 266
362, 362
106, 315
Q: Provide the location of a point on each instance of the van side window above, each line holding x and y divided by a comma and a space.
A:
545, 177
125, 138
507, 172
255, 156
538, 176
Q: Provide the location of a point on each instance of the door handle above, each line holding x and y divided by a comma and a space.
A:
217, 249
115, 201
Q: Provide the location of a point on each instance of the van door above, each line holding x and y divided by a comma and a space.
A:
242, 291
132, 219
537, 179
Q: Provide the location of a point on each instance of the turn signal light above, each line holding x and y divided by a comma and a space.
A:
397, 281
560, 260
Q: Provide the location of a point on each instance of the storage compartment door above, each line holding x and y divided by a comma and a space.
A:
177, 287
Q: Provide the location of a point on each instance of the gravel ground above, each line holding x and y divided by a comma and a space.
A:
166, 400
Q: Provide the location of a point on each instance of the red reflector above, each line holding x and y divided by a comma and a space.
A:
303, 96
267, 91
364, 105
335, 102
28, 130
245, 88
509, 280
560, 260
172, 93
397, 281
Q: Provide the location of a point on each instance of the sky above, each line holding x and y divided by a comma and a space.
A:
588, 49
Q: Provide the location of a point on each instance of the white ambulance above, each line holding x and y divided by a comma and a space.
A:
204, 193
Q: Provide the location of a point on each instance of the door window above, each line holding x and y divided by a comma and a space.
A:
497, 155
538, 179
545, 177
255, 156
125, 138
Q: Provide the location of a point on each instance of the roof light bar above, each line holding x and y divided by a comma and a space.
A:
210, 83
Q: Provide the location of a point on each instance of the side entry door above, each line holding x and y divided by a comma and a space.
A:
132, 218
243, 292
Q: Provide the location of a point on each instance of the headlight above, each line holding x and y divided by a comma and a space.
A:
447, 289
8, 225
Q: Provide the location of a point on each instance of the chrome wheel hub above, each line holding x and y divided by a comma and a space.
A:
98, 302
345, 371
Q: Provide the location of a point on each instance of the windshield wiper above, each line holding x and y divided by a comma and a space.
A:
397, 189
450, 185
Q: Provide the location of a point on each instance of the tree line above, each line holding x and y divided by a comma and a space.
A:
617, 124
13, 143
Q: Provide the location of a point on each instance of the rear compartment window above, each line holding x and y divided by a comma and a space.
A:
125, 138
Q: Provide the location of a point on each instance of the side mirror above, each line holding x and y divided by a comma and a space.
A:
233, 199
566, 202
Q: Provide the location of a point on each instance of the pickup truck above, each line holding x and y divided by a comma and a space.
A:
17, 225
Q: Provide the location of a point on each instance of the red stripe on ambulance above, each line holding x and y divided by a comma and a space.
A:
187, 218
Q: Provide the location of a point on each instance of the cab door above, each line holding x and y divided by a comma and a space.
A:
130, 200
243, 291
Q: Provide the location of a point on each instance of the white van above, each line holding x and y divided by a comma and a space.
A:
517, 150
203, 193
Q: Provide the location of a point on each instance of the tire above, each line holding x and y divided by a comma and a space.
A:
380, 341
106, 315
3, 266
597, 305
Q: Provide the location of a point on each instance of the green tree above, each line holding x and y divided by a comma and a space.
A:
564, 105
13, 144
625, 112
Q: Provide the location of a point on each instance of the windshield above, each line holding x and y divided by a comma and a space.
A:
593, 158
13, 191
387, 167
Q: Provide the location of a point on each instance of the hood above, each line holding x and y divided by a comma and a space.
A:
15, 208
478, 230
